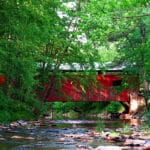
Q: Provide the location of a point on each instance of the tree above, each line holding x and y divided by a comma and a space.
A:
25, 28
126, 25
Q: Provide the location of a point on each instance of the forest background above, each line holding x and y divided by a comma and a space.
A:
41, 33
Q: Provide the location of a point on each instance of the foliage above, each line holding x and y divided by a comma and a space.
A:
114, 134
82, 107
100, 125
125, 25
11, 109
38, 35
145, 127
115, 107
146, 123
26, 27
126, 129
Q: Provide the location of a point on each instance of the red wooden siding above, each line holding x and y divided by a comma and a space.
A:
103, 90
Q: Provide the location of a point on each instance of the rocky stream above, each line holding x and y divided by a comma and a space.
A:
73, 135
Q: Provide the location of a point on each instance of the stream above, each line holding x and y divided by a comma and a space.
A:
56, 135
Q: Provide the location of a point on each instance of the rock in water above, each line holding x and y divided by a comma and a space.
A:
133, 142
22, 122
146, 145
83, 147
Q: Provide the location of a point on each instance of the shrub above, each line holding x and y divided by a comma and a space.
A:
115, 107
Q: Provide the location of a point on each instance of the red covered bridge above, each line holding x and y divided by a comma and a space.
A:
105, 87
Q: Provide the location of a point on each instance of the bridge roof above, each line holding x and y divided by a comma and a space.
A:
88, 66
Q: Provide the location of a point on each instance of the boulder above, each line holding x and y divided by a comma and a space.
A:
125, 116
29, 138
14, 124
17, 137
22, 122
119, 129
134, 142
83, 147
146, 145
2, 139
144, 137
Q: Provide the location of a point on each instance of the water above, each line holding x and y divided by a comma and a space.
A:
54, 135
